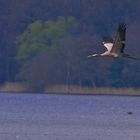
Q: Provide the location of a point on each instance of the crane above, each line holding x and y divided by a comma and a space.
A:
115, 47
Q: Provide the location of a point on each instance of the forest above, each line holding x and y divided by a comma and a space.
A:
46, 42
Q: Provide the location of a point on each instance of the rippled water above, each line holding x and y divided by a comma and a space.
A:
69, 117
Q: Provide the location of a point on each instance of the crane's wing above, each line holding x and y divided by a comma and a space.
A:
119, 41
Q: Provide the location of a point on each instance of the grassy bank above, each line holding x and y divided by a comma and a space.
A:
20, 88
13, 87
83, 90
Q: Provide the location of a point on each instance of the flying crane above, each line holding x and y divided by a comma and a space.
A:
115, 47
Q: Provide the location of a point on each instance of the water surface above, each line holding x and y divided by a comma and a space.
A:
69, 117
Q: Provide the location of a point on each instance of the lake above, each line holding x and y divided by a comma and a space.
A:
69, 117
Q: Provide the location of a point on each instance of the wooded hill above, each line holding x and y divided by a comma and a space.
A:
46, 42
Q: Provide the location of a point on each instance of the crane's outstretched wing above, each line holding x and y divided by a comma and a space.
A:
119, 41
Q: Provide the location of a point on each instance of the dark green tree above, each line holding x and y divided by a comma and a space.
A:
49, 48
40, 35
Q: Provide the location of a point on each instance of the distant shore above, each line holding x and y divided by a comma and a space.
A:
99, 90
63, 89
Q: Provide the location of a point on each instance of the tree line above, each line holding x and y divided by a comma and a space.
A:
57, 35
54, 52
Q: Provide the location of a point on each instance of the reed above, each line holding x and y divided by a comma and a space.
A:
86, 90
13, 87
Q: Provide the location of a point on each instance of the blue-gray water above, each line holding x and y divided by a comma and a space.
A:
69, 117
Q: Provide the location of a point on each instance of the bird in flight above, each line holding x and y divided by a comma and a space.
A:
115, 47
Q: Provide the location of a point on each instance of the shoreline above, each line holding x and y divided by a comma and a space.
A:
70, 90
93, 91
